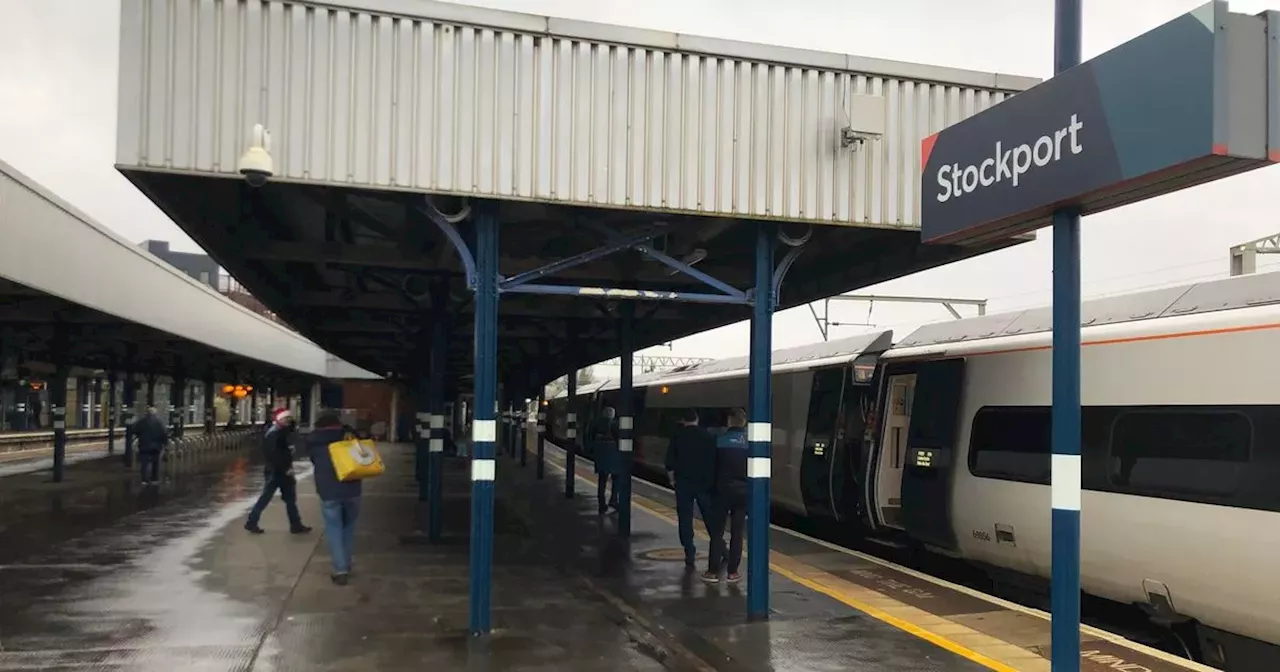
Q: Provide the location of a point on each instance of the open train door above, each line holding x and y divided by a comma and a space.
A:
931, 449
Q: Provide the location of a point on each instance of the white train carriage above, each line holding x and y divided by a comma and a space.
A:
1180, 444
943, 440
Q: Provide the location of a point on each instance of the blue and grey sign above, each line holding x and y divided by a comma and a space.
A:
1181, 105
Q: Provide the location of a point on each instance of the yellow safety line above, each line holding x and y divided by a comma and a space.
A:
841, 596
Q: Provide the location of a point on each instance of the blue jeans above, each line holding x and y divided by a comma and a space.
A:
340, 530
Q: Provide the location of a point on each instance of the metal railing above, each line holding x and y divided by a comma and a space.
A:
13, 442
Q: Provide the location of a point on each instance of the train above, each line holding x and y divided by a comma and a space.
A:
941, 441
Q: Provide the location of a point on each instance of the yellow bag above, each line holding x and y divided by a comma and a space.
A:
354, 459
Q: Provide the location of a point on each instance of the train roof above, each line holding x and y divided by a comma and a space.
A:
839, 351
1246, 291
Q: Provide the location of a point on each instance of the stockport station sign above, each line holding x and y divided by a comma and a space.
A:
1192, 101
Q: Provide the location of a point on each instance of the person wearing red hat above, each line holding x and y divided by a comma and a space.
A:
277, 450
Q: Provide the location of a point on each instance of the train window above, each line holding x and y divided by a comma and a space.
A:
1180, 452
1011, 443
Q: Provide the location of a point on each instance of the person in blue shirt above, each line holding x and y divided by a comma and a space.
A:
731, 499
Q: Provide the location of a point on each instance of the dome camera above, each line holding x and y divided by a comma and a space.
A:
255, 164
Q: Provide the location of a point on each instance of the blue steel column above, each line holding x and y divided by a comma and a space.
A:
571, 429
626, 416
760, 425
128, 401
210, 409
435, 405
58, 414
111, 413
1065, 489
484, 429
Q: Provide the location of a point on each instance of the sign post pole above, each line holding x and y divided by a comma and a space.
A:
1065, 497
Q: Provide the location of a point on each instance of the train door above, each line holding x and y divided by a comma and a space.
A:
899, 389
931, 440
819, 458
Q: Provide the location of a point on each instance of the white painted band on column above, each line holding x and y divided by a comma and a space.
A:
541, 429
572, 417
759, 431
58, 424
483, 470
624, 445
423, 417
758, 467
542, 416
625, 422
571, 433
1065, 489
436, 446
437, 421
423, 431
484, 430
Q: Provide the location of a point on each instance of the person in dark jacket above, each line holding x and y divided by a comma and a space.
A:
604, 439
277, 451
152, 436
731, 498
339, 500
691, 467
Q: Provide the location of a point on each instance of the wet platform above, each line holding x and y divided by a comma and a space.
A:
100, 574
982, 629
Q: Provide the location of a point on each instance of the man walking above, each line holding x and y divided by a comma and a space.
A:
278, 452
604, 439
691, 468
731, 498
152, 437
339, 500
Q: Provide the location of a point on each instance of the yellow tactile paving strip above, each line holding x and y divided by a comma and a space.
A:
985, 649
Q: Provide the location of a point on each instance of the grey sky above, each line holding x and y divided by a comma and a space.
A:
57, 124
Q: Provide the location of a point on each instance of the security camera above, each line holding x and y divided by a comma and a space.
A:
255, 164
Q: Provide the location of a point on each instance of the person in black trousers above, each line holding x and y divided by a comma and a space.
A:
691, 468
731, 499
604, 439
277, 449
152, 436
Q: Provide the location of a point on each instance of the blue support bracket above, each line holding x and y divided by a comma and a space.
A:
451, 232
617, 245
632, 294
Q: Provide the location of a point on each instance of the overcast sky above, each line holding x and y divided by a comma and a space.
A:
58, 80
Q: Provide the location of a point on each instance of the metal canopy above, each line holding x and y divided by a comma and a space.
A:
30, 320
353, 269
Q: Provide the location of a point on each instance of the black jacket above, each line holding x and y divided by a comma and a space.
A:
691, 453
151, 433
327, 484
276, 449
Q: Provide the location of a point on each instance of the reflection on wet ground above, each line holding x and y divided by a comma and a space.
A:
101, 574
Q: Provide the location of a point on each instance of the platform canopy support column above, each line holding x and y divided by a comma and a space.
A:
128, 402
58, 402
571, 421
177, 406
435, 403
484, 429
112, 411
760, 424
544, 353
210, 410
1065, 487
626, 415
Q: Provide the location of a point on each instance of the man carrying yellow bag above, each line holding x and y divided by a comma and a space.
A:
341, 461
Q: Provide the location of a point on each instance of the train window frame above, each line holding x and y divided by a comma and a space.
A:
1182, 494
972, 457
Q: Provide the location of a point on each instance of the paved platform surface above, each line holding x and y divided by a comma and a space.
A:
997, 634
168, 580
